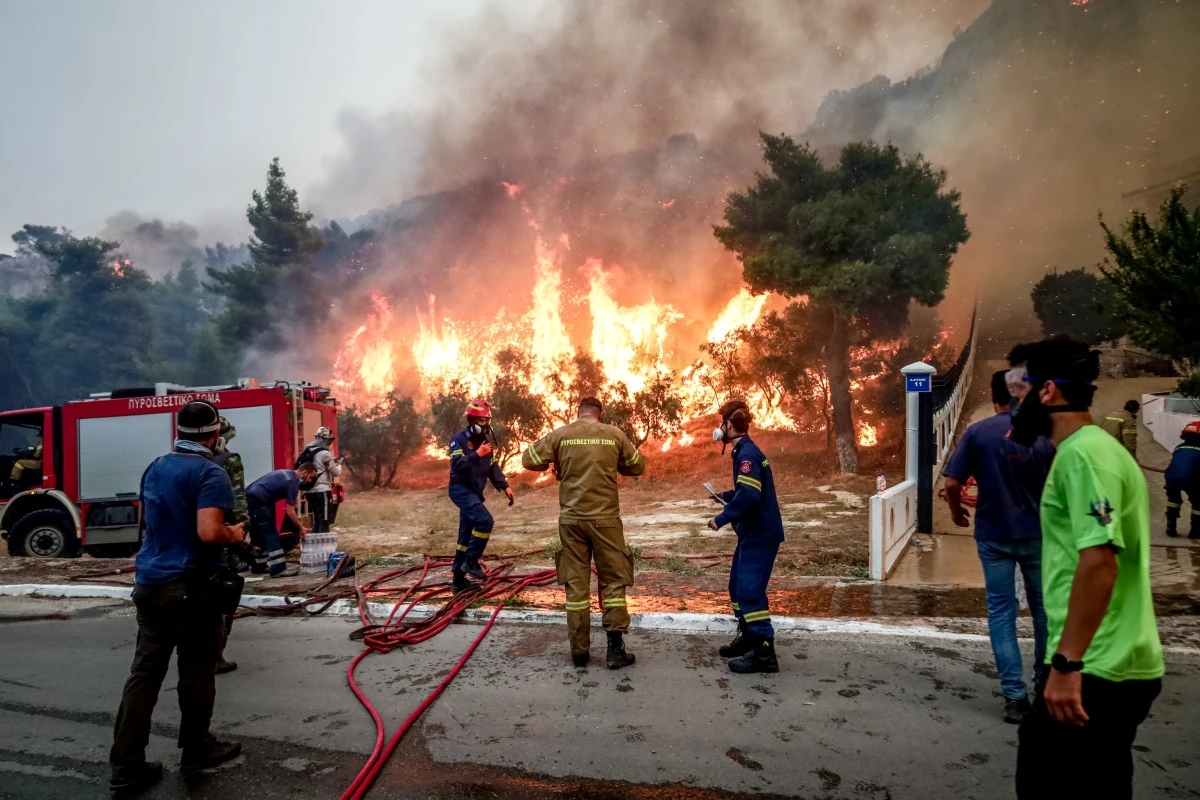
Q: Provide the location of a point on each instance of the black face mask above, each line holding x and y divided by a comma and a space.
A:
1030, 419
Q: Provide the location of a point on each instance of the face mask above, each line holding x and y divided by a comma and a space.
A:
718, 435
477, 429
1030, 419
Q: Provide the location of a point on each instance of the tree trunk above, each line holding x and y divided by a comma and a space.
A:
838, 369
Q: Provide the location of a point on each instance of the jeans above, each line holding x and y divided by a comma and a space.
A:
1000, 560
167, 622
1095, 761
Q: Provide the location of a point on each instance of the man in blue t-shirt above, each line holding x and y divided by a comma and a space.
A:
184, 497
1008, 534
262, 498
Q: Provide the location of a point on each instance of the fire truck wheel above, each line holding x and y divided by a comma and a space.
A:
48, 533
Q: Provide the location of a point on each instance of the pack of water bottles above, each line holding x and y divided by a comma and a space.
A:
316, 550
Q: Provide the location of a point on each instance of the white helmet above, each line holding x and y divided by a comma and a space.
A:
324, 433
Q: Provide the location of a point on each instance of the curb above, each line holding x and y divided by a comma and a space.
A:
667, 622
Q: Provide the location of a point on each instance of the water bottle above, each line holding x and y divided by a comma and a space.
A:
880, 483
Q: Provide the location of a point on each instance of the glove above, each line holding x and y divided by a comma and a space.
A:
508, 491
484, 450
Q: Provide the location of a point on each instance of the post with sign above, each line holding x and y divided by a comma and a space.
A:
918, 386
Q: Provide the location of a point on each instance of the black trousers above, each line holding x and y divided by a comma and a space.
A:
322, 510
1093, 762
167, 621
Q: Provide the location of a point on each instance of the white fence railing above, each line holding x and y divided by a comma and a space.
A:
893, 514
893, 520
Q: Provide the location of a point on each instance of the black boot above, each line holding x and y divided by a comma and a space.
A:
463, 584
760, 658
209, 753
740, 645
617, 657
581, 659
475, 571
135, 781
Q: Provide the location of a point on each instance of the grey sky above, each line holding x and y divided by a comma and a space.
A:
173, 109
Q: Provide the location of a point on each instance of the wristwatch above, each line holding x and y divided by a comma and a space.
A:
1063, 664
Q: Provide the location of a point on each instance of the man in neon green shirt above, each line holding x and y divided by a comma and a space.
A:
1107, 665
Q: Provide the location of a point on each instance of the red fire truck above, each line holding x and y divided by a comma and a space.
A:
69, 474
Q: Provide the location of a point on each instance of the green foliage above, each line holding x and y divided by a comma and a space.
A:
651, 413
279, 281
1156, 272
375, 441
862, 239
1078, 304
1189, 386
446, 412
518, 416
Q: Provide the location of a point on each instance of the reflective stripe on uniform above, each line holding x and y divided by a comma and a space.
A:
614, 602
751, 482
579, 605
480, 534
1116, 419
736, 607
757, 616
533, 456
633, 459
454, 453
275, 557
462, 548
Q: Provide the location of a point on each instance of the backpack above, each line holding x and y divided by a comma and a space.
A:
309, 455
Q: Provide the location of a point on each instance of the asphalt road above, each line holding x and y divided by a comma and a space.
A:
850, 716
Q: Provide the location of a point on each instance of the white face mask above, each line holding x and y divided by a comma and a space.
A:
718, 435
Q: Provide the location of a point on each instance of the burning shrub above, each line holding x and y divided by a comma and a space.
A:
652, 413
377, 440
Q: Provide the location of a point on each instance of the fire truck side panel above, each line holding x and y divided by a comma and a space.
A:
113, 452
255, 440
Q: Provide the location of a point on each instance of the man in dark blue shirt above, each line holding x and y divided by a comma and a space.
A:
753, 510
184, 497
1008, 534
472, 467
262, 498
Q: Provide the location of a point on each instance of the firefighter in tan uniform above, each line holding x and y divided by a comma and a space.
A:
587, 456
1122, 426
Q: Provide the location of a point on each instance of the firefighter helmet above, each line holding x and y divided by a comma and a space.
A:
478, 409
227, 430
1191, 429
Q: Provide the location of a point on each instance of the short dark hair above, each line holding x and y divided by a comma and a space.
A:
307, 466
1019, 354
591, 402
738, 414
201, 420
1000, 394
1132, 406
1070, 364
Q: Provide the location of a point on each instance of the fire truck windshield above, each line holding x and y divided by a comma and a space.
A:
20, 453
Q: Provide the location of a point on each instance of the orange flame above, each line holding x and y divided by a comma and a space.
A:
867, 436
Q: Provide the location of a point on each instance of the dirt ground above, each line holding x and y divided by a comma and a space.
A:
665, 511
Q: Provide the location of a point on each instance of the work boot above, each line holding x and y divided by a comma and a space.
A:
1016, 710
475, 571
209, 754
463, 584
617, 657
740, 645
224, 666
759, 658
581, 659
128, 785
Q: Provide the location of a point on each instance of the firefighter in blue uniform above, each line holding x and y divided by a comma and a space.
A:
471, 467
754, 512
1183, 475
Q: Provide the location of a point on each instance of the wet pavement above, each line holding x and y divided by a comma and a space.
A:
849, 716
